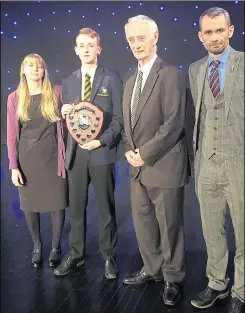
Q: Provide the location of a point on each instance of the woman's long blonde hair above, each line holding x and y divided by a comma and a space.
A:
49, 100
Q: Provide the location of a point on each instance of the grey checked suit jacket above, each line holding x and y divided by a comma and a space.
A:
233, 94
159, 127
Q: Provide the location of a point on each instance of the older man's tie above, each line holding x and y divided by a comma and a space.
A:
136, 97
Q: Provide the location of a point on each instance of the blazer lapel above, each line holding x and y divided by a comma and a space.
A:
76, 92
128, 91
200, 83
148, 87
98, 77
231, 70
77, 86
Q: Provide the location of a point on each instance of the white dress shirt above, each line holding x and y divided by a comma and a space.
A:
146, 70
85, 70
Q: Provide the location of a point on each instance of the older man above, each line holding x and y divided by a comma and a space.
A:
154, 106
217, 86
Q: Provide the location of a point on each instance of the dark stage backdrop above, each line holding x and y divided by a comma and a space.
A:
50, 28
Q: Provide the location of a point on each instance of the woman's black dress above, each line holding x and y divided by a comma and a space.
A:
44, 190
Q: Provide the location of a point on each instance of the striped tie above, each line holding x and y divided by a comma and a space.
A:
87, 88
136, 96
214, 79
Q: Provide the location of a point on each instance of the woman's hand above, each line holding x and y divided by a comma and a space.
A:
17, 178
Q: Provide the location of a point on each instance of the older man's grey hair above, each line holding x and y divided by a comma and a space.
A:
152, 24
214, 12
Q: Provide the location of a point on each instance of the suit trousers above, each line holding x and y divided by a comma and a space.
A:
103, 180
158, 220
219, 182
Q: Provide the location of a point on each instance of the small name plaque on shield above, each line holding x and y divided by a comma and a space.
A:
85, 122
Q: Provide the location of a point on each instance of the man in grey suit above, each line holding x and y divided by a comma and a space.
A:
217, 86
154, 106
93, 161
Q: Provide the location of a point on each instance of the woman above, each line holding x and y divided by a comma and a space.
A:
36, 150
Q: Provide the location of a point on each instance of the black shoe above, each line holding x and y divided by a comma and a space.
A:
67, 265
36, 260
236, 306
171, 293
54, 257
110, 269
208, 296
141, 277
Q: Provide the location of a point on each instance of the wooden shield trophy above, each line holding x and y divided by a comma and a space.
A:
85, 122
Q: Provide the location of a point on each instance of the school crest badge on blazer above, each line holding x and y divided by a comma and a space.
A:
102, 91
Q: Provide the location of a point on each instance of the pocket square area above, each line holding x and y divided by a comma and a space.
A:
103, 91
103, 94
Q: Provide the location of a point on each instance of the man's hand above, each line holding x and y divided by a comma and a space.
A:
16, 178
67, 109
131, 158
93, 144
138, 157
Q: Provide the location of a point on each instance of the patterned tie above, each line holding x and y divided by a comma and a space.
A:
214, 79
136, 97
87, 88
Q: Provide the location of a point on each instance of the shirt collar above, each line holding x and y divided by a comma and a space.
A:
147, 67
222, 58
90, 72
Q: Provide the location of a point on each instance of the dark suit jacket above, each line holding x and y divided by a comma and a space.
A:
111, 104
159, 127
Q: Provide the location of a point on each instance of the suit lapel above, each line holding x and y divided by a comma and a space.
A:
98, 77
76, 89
148, 87
128, 91
231, 70
200, 83
77, 86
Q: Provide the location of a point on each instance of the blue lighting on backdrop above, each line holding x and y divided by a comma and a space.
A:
63, 18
